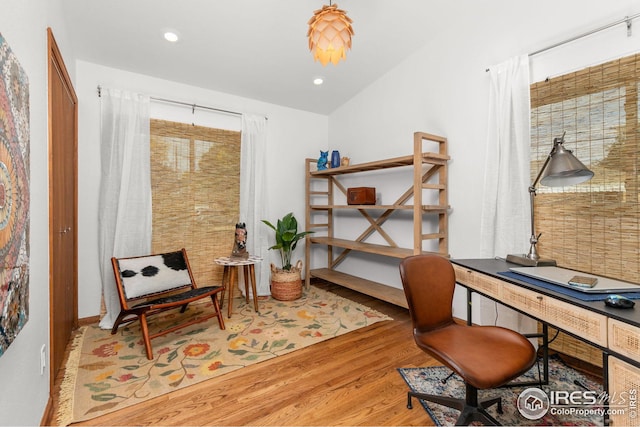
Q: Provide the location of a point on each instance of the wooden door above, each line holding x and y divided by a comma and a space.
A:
63, 207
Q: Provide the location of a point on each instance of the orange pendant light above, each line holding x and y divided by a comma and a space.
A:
329, 34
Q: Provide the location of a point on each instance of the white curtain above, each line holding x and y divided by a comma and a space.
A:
253, 199
125, 188
505, 220
505, 224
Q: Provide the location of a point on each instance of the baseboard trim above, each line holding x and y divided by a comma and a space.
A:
88, 320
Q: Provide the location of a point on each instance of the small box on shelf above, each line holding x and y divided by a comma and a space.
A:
361, 196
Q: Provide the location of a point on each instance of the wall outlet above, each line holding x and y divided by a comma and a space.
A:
43, 358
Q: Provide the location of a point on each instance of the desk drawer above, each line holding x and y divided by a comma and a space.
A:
624, 378
583, 323
478, 281
624, 339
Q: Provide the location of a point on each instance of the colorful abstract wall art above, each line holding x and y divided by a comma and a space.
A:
14, 196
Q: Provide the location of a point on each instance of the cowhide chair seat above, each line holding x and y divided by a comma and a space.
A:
152, 284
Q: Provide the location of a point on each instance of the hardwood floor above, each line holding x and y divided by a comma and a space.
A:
347, 380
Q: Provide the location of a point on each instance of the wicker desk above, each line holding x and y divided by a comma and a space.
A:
614, 331
230, 278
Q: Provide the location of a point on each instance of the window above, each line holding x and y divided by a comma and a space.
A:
593, 226
195, 181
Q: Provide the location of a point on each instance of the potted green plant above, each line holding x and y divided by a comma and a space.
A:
286, 282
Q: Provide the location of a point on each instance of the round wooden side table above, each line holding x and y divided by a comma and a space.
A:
230, 278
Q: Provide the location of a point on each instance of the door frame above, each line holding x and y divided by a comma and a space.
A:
56, 65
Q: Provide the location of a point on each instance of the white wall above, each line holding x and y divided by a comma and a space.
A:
23, 391
292, 136
443, 89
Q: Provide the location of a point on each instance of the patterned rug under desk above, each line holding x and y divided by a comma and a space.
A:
562, 378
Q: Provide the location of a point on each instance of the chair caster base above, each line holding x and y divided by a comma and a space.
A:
470, 409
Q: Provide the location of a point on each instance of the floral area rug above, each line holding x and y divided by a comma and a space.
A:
110, 372
561, 378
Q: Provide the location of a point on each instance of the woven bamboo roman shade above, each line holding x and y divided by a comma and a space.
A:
595, 226
195, 181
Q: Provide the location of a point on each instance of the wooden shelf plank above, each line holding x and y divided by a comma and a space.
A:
428, 158
377, 290
371, 207
426, 208
371, 248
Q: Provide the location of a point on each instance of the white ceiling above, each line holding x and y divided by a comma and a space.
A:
255, 48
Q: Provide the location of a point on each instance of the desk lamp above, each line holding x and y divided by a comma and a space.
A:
559, 169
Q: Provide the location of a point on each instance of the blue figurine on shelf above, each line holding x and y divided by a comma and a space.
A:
322, 160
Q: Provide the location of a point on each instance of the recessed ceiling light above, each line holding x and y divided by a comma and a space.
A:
171, 36
318, 81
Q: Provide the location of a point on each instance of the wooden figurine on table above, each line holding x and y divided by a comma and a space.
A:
240, 243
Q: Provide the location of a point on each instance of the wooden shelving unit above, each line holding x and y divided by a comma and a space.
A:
429, 170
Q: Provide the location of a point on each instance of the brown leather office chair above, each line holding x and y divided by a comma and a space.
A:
483, 356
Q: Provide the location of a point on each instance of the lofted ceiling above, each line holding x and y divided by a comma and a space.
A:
255, 48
